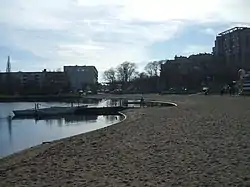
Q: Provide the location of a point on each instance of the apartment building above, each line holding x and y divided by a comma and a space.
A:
185, 71
233, 47
80, 76
40, 82
23, 78
74, 78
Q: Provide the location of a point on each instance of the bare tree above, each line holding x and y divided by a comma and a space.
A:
58, 70
153, 68
149, 69
126, 71
110, 75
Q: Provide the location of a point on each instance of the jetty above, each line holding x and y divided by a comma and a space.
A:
61, 111
86, 110
46, 112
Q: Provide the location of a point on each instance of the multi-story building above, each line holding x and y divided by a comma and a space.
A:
73, 78
233, 47
23, 78
186, 71
81, 76
35, 82
30, 78
56, 82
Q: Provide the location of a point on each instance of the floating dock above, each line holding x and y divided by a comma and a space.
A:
85, 110
46, 112
60, 111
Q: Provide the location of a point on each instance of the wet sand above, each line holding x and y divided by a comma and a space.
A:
205, 141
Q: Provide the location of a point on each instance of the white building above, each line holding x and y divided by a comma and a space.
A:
80, 76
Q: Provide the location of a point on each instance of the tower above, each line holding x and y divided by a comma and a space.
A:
8, 68
8, 80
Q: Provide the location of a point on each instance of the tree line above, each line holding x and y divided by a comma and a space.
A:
130, 79
183, 73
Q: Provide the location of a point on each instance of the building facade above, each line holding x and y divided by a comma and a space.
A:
188, 72
34, 82
233, 47
81, 76
74, 78
56, 82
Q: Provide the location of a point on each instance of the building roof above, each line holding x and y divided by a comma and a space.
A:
233, 30
84, 66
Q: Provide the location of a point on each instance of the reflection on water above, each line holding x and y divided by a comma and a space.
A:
112, 118
70, 119
16, 135
9, 120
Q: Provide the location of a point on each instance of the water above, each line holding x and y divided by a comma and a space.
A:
16, 135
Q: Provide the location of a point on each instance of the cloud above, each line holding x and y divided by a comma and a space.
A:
106, 32
210, 31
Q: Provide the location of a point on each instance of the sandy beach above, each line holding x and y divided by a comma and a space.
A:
205, 141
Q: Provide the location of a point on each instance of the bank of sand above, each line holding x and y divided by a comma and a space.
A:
205, 141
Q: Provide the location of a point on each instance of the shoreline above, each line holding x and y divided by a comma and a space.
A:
40, 146
203, 141
154, 103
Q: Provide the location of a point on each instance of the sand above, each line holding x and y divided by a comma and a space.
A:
205, 141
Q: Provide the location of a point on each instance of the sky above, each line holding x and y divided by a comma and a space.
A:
40, 34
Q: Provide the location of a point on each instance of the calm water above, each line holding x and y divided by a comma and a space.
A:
16, 135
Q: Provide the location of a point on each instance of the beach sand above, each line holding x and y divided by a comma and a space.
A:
205, 141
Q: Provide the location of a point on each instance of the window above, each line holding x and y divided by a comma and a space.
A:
248, 41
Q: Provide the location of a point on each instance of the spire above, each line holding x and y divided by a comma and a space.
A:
8, 68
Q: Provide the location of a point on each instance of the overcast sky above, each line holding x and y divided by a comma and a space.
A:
48, 34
